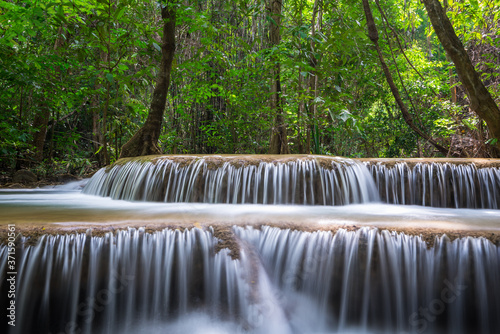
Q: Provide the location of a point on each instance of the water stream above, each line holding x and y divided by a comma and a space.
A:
309, 180
438, 185
338, 270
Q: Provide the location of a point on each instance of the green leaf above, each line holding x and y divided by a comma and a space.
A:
110, 78
157, 47
119, 13
492, 141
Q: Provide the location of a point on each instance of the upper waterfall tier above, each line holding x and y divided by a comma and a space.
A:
438, 184
312, 180
237, 179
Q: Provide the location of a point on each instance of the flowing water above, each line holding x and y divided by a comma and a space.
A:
306, 180
323, 276
438, 185
301, 181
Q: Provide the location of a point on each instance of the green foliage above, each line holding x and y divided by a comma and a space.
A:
14, 143
92, 64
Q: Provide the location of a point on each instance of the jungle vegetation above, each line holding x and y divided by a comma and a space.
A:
78, 79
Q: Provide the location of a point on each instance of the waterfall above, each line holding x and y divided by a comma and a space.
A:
311, 180
82, 284
284, 281
438, 185
377, 281
240, 180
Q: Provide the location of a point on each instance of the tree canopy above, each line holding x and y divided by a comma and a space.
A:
77, 79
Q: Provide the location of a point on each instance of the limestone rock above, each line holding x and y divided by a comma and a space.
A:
24, 176
66, 178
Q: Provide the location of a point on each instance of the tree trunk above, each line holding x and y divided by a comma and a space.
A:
96, 131
481, 101
145, 141
279, 141
373, 35
40, 124
453, 89
313, 91
42, 116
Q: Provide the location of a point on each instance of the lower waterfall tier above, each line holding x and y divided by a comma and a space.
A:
282, 281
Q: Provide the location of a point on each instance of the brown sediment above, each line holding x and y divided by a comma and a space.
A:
216, 160
325, 161
227, 240
224, 232
242, 160
411, 162
33, 233
257, 158
427, 234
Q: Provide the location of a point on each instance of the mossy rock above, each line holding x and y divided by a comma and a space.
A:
24, 176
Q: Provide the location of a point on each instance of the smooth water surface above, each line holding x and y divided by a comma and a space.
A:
285, 281
72, 208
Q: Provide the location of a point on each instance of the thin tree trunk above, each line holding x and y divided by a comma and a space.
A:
96, 137
145, 141
42, 116
279, 141
104, 140
453, 89
40, 126
480, 98
301, 122
373, 35
313, 79
300, 111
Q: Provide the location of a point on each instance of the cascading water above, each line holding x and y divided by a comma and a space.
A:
342, 278
285, 281
384, 282
110, 284
306, 180
237, 181
438, 185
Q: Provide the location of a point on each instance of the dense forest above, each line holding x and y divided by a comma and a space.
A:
349, 78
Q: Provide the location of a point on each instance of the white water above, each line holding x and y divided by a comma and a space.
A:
438, 185
74, 209
293, 182
285, 282
128, 279
404, 277
306, 180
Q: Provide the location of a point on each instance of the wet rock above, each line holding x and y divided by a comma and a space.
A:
24, 176
66, 178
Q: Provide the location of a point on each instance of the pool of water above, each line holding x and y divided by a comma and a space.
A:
67, 206
283, 306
